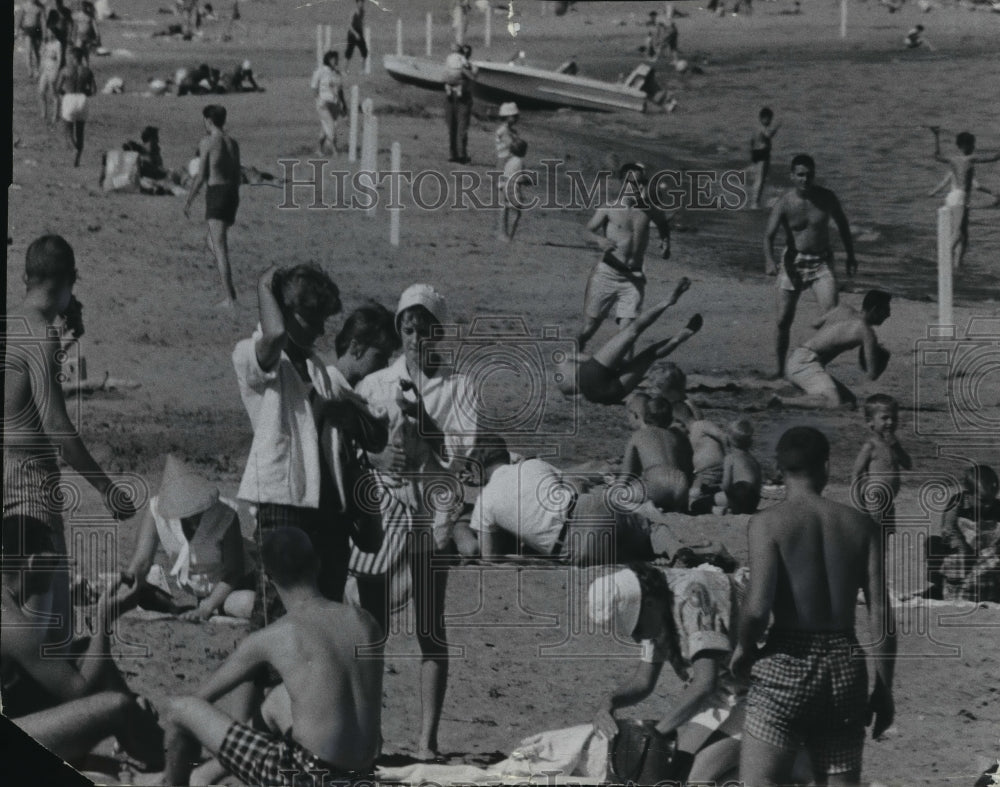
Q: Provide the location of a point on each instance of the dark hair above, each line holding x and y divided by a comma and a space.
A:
879, 401
983, 475
465, 50
632, 166
490, 449
765, 112
370, 325
965, 139
216, 113
79, 53
289, 557
741, 433
150, 133
307, 290
743, 498
804, 160
802, 450
875, 298
659, 412
519, 147
49, 258
653, 584
331, 54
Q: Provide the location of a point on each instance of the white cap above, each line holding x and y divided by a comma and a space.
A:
426, 296
183, 492
508, 109
616, 598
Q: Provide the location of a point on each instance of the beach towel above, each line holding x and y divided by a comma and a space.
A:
121, 171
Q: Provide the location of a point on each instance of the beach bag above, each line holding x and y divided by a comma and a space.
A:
641, 755
121, 171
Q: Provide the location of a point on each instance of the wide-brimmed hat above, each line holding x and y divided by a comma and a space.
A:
508, 109
426, 296
616, 599
183, 492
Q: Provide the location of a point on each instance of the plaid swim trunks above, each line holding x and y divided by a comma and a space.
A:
260, 758
807, 690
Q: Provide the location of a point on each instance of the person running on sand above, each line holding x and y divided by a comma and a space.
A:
66, 705
804, 213
611, 374
335, 694
962, 179
37, 430
760, 153
808, 558
356, 33
75, 84
328, 85
657, 455
840, 330
219, 157
621, 230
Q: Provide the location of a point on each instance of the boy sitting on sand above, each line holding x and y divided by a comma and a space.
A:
840, 330
875, 476
658, 455
742, 477
336, 695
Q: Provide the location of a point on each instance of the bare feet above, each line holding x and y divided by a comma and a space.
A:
695, 323
682, 287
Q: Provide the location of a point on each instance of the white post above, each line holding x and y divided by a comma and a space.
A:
327, 38
399, 37
430, 34
319, 45
488, 32
369, 151
368, 40
352, 138
843, 18
397, 166
946, 224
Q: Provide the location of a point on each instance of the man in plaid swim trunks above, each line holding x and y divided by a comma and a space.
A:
809, 683
334, 694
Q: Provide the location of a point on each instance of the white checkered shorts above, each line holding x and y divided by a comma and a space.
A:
261, 758
807, 690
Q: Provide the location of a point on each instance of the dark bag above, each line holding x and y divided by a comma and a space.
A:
363, 504
641, 755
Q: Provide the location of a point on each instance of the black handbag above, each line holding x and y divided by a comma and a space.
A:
641, 755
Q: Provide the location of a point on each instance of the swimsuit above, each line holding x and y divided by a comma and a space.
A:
613, 285
805, 370
599, 384
271, 761
811, 268
809, 689
221, 202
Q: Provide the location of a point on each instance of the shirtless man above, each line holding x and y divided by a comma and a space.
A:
37, 430
804, 213
962, 179
840, 330
220, 168
621, 230
760, 152
30, 23
335, 694
808, 558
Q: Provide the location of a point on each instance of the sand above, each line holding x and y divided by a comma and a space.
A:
148, 287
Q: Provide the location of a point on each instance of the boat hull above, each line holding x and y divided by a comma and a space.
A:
535, 88
426, 74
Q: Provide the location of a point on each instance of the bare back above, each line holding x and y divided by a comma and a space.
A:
223, 154
336, 695
654, 446
30, 385
837, 337
821, 553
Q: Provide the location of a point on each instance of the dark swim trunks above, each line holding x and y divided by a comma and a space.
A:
221, 202
760, 154
599, 384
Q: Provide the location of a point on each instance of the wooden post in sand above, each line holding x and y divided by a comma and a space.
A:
399, 37
843, 18
488, 30
368, 60
369, 153
429, 34
396, 166
352, 137
947, 217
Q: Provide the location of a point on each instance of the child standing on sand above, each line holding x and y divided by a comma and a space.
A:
512, 190
875, 476
742, 477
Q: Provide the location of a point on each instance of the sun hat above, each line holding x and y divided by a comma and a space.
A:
617, 599
508, 109
183, 492
426, 296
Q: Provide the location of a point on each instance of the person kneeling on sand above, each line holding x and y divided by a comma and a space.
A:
610, 374
838, 333
335, 694
657, 456
67, 706
200, 532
